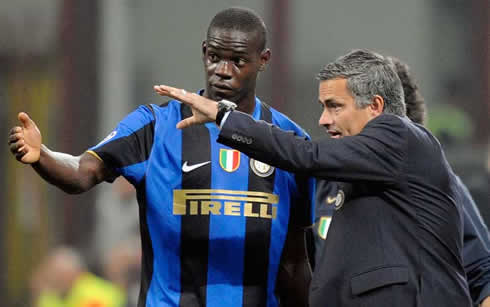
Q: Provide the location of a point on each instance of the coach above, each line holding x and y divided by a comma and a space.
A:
396, 237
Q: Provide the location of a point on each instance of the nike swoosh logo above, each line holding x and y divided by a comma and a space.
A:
331, 199
189, 168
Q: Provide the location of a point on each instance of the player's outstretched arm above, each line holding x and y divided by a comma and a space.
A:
73, 174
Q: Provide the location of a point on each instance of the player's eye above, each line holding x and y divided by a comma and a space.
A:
239, 61
213, 57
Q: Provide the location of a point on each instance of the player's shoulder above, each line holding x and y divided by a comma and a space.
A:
137, 118
145, 114
162, 107
164, 110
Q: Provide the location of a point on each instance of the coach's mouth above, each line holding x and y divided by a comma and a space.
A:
334, 134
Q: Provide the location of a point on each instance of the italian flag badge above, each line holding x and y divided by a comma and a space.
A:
229, 159
323, 226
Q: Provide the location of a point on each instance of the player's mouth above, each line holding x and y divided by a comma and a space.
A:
334, 134
222, 88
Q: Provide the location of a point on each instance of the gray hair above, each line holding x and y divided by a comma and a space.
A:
368, 74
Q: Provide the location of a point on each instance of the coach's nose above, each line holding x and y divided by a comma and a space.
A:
326, 119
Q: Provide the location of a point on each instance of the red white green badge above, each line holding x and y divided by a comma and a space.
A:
323, 226
229, 159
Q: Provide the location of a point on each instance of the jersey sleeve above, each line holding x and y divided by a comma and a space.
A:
127, 148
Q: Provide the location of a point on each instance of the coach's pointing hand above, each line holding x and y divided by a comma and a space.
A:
203, 109
25, 140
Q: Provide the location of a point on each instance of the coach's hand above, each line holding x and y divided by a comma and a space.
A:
25, 140
203, 109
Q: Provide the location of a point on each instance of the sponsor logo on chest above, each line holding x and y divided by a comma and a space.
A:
225, 202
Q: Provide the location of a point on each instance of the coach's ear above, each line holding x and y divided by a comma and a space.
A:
377, 106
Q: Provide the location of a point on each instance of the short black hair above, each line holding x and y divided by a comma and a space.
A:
241, 19
414, 101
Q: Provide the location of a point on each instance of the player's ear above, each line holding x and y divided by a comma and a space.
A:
377, 105
204, 47
265, 56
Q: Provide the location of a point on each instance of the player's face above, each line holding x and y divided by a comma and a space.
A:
232, 61
341, 116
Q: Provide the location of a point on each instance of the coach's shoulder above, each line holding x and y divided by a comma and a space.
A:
387, 128
389, 121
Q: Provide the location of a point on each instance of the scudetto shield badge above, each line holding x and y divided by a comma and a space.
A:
229, 159
261, 169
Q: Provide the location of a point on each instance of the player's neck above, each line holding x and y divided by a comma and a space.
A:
247, 105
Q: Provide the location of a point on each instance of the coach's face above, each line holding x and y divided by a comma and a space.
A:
232, 60
341, 116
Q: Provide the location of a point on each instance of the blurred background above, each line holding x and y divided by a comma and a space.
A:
77, 67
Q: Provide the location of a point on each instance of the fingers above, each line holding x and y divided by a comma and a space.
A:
18, 147
15, 147
186, 122
19, 150
203, 109
14, 138
16, 142
25, 120
20, 154
190, 99
14, 134
176, 93
162, 90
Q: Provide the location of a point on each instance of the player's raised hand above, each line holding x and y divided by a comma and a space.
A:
25, 140
203, 109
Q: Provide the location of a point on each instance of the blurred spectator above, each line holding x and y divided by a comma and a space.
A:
62, 280
122, 266
117, 218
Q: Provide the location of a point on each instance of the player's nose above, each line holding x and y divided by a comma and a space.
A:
224, 69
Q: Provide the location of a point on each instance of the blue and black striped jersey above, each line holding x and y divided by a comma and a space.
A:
213, 222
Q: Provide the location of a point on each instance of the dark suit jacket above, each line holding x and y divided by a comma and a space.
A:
476, 246
476, 240
395, 238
